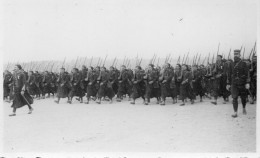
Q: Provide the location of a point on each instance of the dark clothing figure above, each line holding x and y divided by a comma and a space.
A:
21, 96
152, 86
63, 86
238, 79
138, 89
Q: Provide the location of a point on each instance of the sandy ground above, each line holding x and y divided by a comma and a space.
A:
122, 127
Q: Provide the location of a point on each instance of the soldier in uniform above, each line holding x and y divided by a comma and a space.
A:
91, 83
123, 84
239, 81
197, 82
138, 89
76, 90
218, 79
83, 73
152, 85
185, 87
38, 79
31, 87
7, 82
165, 80
105, 88
63, 85
46, 84
113, 78
253, 77
21, 96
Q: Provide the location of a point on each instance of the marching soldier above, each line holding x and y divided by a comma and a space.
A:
113, 78
253, 77
91, 83
138, 84
21, 96
31, 87
8, 79
239, 81
218, 79
63, 85
152, 85
123, 84
105, 88
185, 87
165, 80
75, 90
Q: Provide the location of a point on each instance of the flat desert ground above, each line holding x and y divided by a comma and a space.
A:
123, 127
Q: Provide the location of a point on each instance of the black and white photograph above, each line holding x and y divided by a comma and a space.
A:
157, 77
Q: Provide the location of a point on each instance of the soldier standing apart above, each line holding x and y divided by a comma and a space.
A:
21, 96
239, 82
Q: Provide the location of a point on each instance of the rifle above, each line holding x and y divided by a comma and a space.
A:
187, 57
140, 62
76, 62
52, 66
244, 52
154, 58
105, 61
91, 61
158, 62
98, 61
63, 62
114, 62
178, 59
183, 59
198, 60
250, 53
85, 60
229, 53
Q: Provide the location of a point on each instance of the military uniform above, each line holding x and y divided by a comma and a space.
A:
238, 79
138, 89
19, 81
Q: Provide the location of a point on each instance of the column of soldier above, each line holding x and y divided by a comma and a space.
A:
182, 82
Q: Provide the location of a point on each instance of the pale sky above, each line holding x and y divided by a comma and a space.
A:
54, 29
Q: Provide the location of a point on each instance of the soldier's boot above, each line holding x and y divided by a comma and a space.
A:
30, 110
8, 100
81, 100
224, 102
173, 101
251, 100
158, 101
234, 115
103, 98
87, 102
201, 99
146, 102
118, 99
149, 100
247, 100
98, 101
192, 101
244, 111
69, 100
183, 103
13, 114
163, 102
43, 97
133, 101
110, 100
57, 101
48, 96
214, 102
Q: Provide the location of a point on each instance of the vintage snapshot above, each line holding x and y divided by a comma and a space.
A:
129, 76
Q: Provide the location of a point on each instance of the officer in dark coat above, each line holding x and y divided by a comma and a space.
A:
21, 96
239, 81
113, 78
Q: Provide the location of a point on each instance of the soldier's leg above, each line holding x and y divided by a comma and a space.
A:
14, 112
243, 100
235, 106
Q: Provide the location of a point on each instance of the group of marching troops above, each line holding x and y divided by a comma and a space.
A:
223, 78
